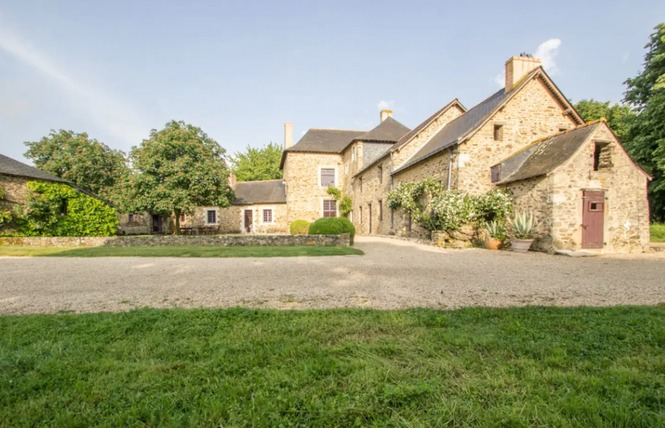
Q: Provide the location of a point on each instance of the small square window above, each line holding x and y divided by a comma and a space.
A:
212, 217
596, 206
498, 132
602, 156
329, 208
267, 216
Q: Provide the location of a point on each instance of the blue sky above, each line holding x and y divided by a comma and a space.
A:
240, 69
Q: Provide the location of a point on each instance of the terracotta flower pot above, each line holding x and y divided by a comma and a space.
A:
521, 245
493, 243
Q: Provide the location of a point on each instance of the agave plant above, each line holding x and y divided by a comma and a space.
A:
522, 225
495, 229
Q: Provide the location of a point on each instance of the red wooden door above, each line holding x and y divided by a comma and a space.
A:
593, 214
248, 221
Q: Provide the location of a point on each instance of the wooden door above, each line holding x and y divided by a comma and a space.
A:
157, 223
249, 215
593, 215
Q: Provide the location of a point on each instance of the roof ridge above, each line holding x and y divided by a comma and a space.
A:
260, 181
334, 129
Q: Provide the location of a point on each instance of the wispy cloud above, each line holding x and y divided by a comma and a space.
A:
106, 111
385, 105
546, 52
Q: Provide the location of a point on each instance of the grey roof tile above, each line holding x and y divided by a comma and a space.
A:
260, 192
325, 141
543, 156
390, 130
9, 166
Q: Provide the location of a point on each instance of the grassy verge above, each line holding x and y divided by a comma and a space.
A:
237, 367
178, 251
658, 232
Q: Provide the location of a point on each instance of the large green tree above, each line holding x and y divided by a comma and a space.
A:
176, 170
258, 163
618, 116
84, 161
646, 93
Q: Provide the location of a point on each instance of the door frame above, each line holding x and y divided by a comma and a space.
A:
594, 207
247, 228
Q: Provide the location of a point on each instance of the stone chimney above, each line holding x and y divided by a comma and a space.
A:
385, 114
288, 135
517, 67
232, 180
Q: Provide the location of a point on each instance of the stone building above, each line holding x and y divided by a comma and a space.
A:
463, 149
14, 176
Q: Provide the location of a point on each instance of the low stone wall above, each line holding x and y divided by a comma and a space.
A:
244, 240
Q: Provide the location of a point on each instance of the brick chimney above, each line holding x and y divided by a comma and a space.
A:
517, 67
288, 135
385, 114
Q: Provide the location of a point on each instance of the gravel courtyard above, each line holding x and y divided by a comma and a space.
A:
393, 274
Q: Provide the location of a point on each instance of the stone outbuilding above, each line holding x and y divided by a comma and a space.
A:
583, 188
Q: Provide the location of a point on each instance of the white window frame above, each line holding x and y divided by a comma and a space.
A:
272, 215
207, 211
336, 206
333, 167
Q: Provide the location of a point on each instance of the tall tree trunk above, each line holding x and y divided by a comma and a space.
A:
176, 231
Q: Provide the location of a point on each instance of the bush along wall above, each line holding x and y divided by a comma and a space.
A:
55, 209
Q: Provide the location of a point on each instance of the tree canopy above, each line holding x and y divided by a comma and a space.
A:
258, 163
646, 143
618, 116
176, 170
84, 161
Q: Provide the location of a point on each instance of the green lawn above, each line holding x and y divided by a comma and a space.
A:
658, 232
340, 368
178, 251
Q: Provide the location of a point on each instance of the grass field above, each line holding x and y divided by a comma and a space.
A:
339, 368
178, 251
658, 232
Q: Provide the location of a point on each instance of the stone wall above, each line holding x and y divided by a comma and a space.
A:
531, 114
141, 224
556, 200
373, 151
404, 153
16, 190
372, 200
343, 240
304, 195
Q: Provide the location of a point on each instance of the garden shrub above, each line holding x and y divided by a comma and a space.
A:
299, 227
55, 209
332, 226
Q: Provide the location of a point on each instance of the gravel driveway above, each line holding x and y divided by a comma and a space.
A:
393, 274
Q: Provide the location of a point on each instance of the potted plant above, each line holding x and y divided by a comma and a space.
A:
522, 228
496, 233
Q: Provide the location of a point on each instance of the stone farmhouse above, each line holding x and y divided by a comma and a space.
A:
14, 177
527, 138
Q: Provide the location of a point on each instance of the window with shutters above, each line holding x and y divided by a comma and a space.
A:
329, 208
327, 177
267, 216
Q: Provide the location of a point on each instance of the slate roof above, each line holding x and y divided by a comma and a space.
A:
543, 156
325, 141
426, 122
458, 128
9, 166
390, 130
260, 192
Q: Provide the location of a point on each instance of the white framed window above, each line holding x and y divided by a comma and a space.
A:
267, 215
327, 176
329, 208
211, 216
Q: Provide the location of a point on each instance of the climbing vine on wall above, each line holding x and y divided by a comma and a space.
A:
55, 209
345, 201
435, 208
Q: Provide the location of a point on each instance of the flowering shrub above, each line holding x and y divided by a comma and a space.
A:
435, 208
